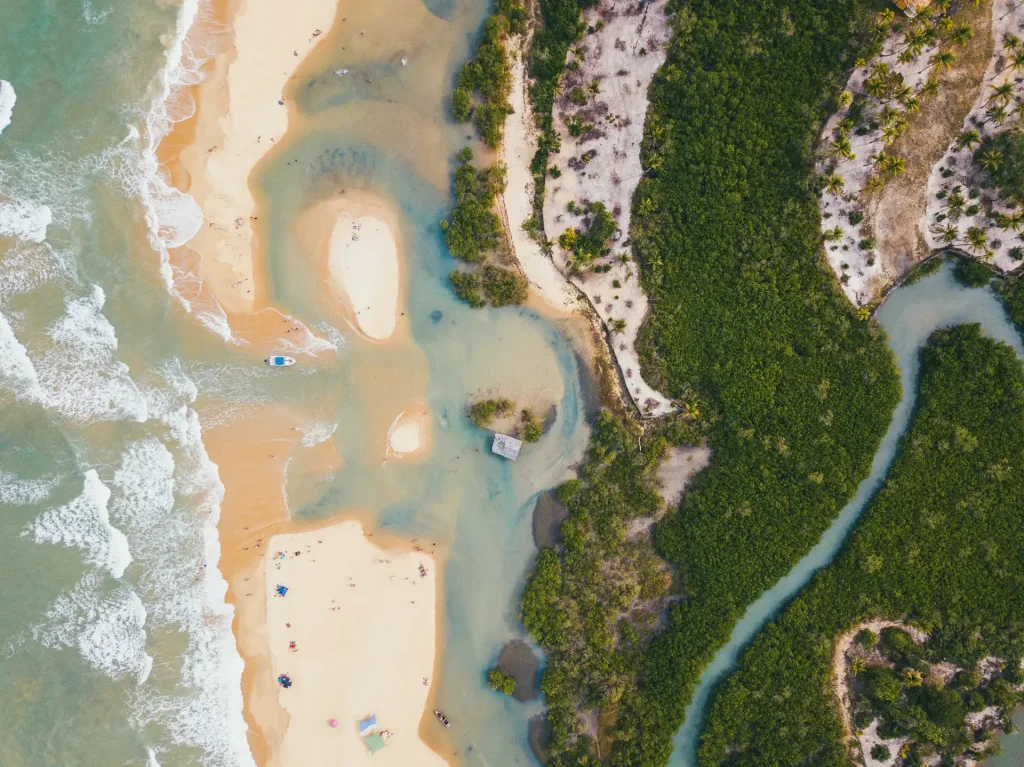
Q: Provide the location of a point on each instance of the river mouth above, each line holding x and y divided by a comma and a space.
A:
910, 314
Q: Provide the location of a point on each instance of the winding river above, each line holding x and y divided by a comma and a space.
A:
909, 315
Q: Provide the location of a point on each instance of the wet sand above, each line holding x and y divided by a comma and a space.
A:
241, 112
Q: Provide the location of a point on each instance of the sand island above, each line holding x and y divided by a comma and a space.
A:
354, 636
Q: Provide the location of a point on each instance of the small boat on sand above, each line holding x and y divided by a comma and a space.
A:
279, 361
442, 718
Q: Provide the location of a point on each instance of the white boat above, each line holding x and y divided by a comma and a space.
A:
279, 361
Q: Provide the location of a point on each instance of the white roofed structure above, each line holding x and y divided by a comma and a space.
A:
505, 446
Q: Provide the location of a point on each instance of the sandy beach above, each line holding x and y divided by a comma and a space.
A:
355, 635
241, 113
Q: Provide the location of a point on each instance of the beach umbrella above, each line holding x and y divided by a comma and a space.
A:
281, 590
332, 722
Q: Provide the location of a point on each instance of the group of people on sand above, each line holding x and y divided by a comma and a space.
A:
355, 231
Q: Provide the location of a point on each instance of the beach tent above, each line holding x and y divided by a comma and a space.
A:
375, 743
368, 725
282, 590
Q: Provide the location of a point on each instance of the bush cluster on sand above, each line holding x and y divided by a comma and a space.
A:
496, 680
485, 82
484, 412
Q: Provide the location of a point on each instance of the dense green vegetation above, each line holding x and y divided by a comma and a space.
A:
496, 680
592, 242
475, 228
940, 547
593, 604
795, 388
971, 273
1003, 157
485, 82
503, 286
746, 318
475, 232
1012, 290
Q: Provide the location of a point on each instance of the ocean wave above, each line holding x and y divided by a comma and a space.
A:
78, 371
16, 370
18, 491
107, 628
24, 220
318, 432
84, 523
7, 99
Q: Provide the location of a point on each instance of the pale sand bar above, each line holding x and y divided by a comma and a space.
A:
240, 116
363, 265
409, 435
363, 621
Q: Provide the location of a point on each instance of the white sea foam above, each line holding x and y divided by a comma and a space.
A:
7, 99
18, 491
106, 627
16, 370
331, 333
85, 524
318, 432
24, 220
151, 760
78, 370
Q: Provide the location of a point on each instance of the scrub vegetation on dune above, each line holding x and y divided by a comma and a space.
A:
939, 547
475, 233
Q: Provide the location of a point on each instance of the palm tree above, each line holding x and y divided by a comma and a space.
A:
841, 147
962, 34
1016, 61
949, 233
966, 139
844, 99
844, 126
645, 208
906, 56
875, 87
886, 16
991, 160
945, 23
895, 165
890, 133
911, 103
955, 203
944, 61
834, 184
874, 182
1011, 42
1013, 220
887, 115
912, 677
1001, 93
997, 113
929, 88
833, 234
977, 239
858, 666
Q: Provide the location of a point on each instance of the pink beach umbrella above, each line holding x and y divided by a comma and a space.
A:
332, 722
